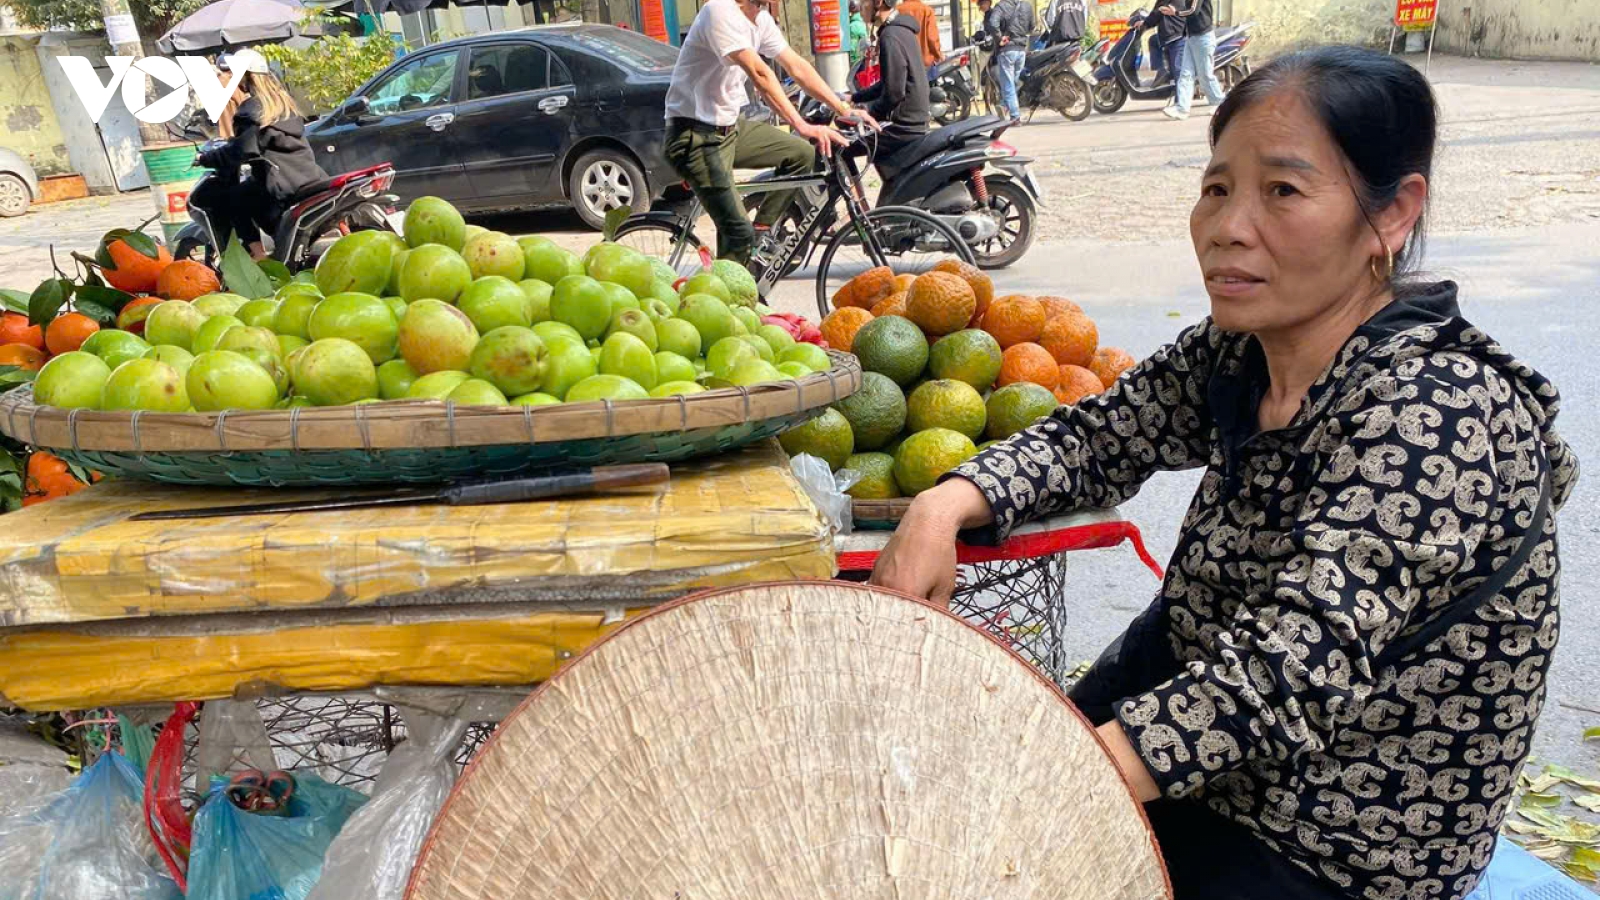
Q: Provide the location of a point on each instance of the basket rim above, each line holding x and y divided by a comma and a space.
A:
416, 424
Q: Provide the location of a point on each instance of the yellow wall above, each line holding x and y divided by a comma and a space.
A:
27, 120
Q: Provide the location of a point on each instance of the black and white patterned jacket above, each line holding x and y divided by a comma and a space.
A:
1411, 471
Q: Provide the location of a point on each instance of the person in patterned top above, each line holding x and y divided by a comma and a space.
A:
1337, 683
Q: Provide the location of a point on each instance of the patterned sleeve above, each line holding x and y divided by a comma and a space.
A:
1404, 486
1099, 451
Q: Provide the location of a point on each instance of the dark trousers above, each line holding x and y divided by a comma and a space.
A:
1208, 857
891, 140
235, 207
706, 156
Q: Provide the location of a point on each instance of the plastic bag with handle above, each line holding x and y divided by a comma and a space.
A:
373, 855
87, 842
240, 855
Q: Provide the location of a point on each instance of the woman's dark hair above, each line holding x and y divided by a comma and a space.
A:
1380, 111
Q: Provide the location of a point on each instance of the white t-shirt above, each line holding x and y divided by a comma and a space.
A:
705, 85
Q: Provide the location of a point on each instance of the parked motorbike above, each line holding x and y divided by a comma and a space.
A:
950, 91
1117, 78
318, 214
1056, 76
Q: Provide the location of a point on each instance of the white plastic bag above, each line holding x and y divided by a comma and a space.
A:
826, 489
232, 736
373, 855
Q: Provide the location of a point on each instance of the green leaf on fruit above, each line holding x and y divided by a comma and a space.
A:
241, 274
99, 312
99, 295
277, 271
14, 301
614, 220
11, 376
143, 244
47, 300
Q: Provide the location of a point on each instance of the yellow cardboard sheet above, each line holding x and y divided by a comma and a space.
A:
725, 520
98, 611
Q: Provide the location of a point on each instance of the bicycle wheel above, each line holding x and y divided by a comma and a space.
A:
907, 240
659, 239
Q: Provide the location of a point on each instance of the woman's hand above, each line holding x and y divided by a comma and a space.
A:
920, 558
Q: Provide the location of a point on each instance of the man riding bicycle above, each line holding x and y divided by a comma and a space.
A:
706, 140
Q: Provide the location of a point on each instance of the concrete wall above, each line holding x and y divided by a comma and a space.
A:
27, 118
1521, 29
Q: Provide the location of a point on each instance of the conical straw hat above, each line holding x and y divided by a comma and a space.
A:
804, 740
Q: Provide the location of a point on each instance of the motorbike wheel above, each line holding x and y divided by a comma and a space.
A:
1069, 95
658, 239
1109, 96
1014, 210
907, 240
958, 107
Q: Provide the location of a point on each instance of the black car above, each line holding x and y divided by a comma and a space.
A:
561, 114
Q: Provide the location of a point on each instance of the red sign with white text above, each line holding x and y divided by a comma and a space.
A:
1112, 29
826, 36
1415, 15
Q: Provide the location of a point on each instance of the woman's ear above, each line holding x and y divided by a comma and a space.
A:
1397, 221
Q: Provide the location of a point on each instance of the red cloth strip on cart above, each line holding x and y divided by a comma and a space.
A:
1093, 536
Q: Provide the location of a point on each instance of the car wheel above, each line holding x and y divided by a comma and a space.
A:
603, 180
14, 195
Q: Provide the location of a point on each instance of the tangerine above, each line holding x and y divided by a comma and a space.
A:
1109, 363
940, 303
14, 329
1055, 306
187, 279
68, 332
1071, 338
131, 270
1031, 363
840, 327
982, 287
903, 282
22, 356
866, 289
892, 305
1076, 383
48, 477
1014, 319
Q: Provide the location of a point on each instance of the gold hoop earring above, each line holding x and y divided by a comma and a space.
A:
1388, 265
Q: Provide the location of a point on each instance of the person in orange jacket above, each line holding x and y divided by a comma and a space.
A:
928, 30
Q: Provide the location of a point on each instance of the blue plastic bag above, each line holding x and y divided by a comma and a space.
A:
87, 842
237, 855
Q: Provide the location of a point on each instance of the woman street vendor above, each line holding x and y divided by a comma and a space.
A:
1334, 690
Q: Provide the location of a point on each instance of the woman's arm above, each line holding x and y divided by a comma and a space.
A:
1405, 489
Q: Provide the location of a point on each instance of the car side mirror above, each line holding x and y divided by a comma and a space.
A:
355, 108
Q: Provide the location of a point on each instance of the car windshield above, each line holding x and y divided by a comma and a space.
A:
630, 50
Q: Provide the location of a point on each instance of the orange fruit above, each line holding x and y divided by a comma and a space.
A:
14, 329
1031, 363
1071, 338
940, 302
1055, 306
1109, 363
840, 327
1014, 319
47, 478
22, 356
903, 282
131, 270
982, 287
892, 305
187, 279
68, 332
865, 290
134, 312
1077, 383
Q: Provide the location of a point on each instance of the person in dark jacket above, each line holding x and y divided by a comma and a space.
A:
1334, 690
1166, 43
900, 98
265, 142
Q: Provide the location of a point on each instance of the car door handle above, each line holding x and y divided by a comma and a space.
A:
438, 121
550, 105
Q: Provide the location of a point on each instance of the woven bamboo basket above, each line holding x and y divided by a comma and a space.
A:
418, 441
793, 741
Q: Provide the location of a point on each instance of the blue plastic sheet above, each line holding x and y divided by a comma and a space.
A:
87, 842
239, 855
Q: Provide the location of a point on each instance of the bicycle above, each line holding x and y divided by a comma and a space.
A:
906, 239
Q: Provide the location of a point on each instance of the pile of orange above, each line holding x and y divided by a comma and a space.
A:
1047, 340
48, 477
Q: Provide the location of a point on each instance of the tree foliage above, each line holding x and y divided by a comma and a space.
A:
154, 17
331, 69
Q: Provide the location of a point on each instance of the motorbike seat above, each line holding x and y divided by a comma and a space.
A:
315, 187
936, 141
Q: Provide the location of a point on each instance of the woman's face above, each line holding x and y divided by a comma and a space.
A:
1278, 233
